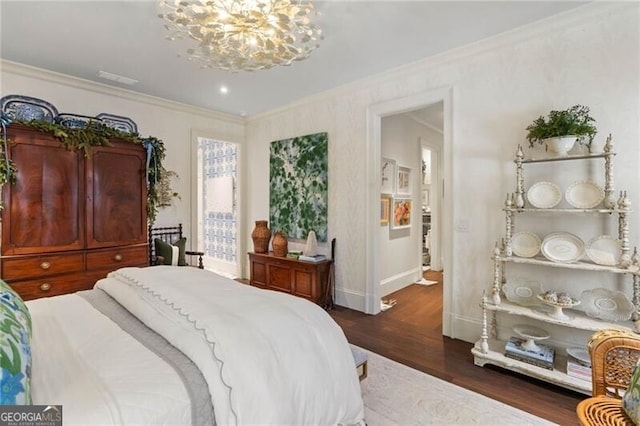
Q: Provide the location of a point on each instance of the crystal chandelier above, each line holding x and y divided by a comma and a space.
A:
242, 35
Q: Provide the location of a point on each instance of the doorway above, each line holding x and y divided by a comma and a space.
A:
375, 114
216, 209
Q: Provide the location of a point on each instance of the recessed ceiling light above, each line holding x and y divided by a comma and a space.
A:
117, 78
224, 90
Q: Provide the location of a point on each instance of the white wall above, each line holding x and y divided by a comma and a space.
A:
588, 56
169, 121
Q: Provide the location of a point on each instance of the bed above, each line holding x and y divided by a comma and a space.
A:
179, 345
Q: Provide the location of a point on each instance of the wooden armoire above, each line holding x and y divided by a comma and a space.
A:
70, 219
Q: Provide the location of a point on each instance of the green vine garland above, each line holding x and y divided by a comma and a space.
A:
97, 134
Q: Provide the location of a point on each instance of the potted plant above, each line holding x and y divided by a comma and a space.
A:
561, 129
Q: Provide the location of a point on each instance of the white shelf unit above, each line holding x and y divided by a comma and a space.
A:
579, 320
557, 376
490, 348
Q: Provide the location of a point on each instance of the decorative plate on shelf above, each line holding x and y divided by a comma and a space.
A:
26, 108
604, 250
584, 194
124, 124
75, 121
544, 195
525, 244
609, 305
522, 291
562, 247
581, 355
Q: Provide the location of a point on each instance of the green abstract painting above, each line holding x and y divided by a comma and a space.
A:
298, 186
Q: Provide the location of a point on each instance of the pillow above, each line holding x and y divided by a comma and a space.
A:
631, 398
165, 250
15, 348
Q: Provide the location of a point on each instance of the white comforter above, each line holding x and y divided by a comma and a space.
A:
97, 372
268, 357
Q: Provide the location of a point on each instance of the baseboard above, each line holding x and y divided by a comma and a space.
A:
350, 299
466, 329
400, 281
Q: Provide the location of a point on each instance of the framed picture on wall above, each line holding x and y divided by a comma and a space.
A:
403, 180
388, 173
385, 208
401, 213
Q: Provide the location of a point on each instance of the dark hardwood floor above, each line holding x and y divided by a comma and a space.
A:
411, 333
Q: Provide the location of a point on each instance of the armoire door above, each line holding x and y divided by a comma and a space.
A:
116, 196
42, 212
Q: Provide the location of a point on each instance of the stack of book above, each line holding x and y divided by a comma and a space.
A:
578, 368
316, 258
294, 254
542, 357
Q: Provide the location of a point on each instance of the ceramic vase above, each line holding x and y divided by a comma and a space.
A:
280, 244
261, 236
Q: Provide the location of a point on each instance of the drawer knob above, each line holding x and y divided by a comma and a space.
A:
45, 265
45, 286
117, 257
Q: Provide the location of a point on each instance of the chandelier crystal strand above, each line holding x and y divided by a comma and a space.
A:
236, 35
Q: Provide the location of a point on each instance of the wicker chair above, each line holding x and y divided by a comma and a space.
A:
614, 354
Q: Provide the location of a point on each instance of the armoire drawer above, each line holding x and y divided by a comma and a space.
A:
52, 286
24, 267
118, 257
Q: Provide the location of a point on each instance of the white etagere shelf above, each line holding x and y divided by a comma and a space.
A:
577, 319
566, 210
605, 154
585, 266
490, 348
494, 355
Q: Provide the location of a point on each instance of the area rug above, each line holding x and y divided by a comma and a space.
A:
395, 394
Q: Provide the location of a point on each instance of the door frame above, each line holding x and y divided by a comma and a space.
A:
240, 234
375, 113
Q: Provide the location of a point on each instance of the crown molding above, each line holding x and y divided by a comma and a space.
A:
104, 89
590, 12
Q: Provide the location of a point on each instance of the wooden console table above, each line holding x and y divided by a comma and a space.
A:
303, 279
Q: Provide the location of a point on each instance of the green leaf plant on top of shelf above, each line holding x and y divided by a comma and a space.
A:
97, 134
574, 122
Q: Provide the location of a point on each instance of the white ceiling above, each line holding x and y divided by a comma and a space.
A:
362, 38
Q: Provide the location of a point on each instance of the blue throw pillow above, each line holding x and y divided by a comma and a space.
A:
15, 348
